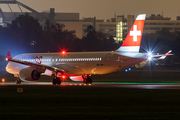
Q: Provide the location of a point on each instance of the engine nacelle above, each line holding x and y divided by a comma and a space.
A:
30, 74
76, 78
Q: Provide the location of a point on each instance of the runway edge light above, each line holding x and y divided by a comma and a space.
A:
3, 80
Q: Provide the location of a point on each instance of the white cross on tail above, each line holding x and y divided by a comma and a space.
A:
135, 33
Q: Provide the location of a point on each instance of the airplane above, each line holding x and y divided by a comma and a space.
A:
79, 66
159, 57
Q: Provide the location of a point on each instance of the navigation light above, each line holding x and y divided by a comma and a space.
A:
63, 52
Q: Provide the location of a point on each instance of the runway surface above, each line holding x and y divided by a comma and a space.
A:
100, 84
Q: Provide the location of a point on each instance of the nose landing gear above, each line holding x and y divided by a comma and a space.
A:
18, 80
56, 81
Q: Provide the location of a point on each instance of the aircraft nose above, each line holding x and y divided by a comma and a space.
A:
7, 67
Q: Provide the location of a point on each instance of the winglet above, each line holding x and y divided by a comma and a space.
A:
8, 55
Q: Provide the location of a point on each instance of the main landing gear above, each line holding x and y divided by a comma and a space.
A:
87, 79
56, 81
18, 80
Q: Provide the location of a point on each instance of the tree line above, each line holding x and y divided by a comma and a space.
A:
27, 33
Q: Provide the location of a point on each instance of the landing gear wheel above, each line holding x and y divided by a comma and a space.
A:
87, 80
56, 81
18, 81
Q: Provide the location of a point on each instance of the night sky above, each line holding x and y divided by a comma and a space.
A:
105, 9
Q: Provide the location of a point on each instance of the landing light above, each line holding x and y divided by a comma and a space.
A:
149, 53
149, 58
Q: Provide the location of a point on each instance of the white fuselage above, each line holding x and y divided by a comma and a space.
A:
79, 63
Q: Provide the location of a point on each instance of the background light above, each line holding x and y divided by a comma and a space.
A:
3, 80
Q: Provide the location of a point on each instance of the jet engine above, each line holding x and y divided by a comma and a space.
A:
76, 78
30, 74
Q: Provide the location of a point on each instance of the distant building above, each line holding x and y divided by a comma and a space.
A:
107, 27
130, 21
70, 20
118, 27
156, 23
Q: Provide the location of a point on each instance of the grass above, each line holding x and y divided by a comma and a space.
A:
140, 76
91, 102
87, 102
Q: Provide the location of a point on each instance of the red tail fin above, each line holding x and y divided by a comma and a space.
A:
8, 55
133, 39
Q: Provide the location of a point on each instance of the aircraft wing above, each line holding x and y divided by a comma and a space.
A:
39, 66
62, 68
31, 64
